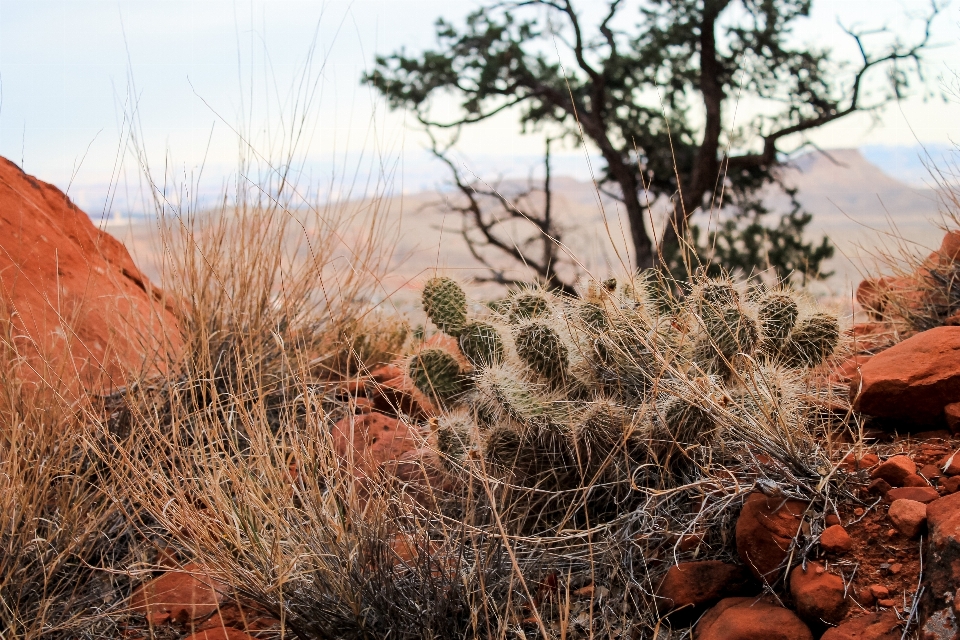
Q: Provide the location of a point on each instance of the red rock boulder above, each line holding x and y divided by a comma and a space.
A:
765, 530
835, 539
368, 442
83, 314
895, 470
908, 517
913, 380
690, 585
750, 619
180, 597
818, 595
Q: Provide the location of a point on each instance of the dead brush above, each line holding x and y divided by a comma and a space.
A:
63, 544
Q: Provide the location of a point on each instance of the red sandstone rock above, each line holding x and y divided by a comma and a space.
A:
220, 633
942, 560
835, 539
908, 517
368, 441
390, 391
870, 296
913, 380
915, 480
178, 596
689, 585
951, 464
849, 369
950, 247
918, 494
79, 302
832, 520
765, 530
895, 470
879, 487
854, 462
750, 619
818, 595
952, 414
951, 485
872, 626
930, 472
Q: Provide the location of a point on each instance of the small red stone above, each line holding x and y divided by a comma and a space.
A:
817, 594
951, 485
951, 464
835, 539
895, 470
924, 495
908, 516
915, 480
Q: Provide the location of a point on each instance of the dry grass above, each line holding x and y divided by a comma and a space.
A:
61, 538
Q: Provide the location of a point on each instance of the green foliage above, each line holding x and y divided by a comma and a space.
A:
445, 305
744, 243
437, 374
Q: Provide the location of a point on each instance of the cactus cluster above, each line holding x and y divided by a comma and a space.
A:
627, 382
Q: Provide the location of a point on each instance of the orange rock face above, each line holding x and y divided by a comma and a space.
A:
914, 380
368, 441
77, 301
765, 530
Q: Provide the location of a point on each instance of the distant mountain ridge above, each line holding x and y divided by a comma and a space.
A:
852, 201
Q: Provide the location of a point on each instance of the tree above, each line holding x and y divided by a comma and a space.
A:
654, 85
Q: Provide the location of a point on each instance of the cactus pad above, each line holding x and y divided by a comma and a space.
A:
436, 373
813, 340
445, 304
481, 344
527, 304
541, 349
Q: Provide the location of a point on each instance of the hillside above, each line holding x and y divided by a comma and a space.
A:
852, 200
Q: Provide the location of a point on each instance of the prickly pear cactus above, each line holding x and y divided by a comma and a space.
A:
528, 304
542, 350
481, 344
622, 382
812, 341
437, 374
445, 304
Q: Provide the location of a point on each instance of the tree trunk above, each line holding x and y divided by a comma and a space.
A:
626, 175
705, 174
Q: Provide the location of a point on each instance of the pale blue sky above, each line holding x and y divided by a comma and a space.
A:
65, 67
